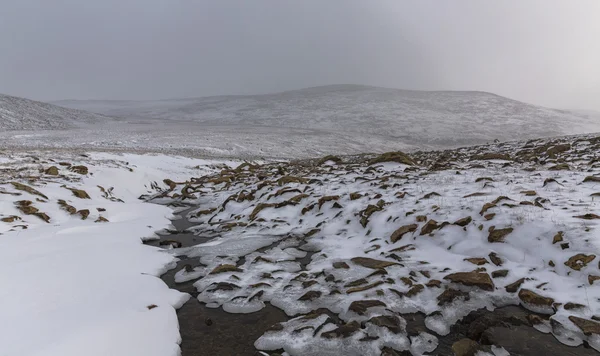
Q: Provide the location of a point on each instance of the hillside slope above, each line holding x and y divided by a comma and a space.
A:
438, 119
18, 114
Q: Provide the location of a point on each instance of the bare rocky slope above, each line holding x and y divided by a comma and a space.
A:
20, 114
416, 118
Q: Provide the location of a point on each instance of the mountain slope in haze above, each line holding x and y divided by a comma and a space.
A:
19, 114
436, 118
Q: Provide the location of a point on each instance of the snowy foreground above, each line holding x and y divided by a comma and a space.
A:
344, 245
82, 282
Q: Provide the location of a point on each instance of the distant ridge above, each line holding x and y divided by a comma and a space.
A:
431, 118
17, 114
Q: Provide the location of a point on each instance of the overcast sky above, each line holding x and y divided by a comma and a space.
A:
545, 52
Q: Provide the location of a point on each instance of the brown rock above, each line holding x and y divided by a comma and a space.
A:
450, 294
476, 260
476, 279
495, 259
592, 279
530, 297
397, 235
342, 331
500, 273
588, 216
529, 193
486, 207
588, 327
390, 322
360, 306
498, 235
84, 213
464, 221
421, 218
429, 227
416, 289
83, 170
372, 263
558, 237
81, 194
434, 283
489, 216
513, 287
225, 268
28, 189
571, 306
51, 171
579, 261
340, 265
310, 295
101, 219
465, 347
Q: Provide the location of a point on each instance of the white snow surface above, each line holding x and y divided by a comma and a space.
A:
80, 287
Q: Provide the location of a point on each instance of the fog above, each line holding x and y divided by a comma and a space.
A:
544, 52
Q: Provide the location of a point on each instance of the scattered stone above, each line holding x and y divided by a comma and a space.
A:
558, 237
28, 189
360, 306
495, 259
464, 221
430, 195
397, 235
588, 327
51, 171
475, 279
355, 196
390, 322
513, 287
225, 268
579, 261
486, 207
340, 265
479, 261
500, 273
101, 219
342, 331
529, 193
84, 213
571, 306
152, 306
592, 279
83, 170
429, 227
588, 216
465, 347
530, 297
372, 263
310, 295
450, 294
498, 235
363, 288
421, 218
81, 194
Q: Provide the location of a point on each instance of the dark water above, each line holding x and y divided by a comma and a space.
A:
212, 331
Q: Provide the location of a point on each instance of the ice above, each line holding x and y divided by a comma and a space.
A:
499, 351
422, 343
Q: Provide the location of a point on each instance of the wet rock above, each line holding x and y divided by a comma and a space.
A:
310, 295
464, 221
514, 287
498, 235
340, 265
588, 216
28, 189
101, 219
84, 213
83, 170
558, 237
530, 297
587, 326
81, 194
342, 331
500, 273
225, 268
465, 347
479, 261
495, 259
51, 171
360, 306
429, 227
372, 263
475, 279
579, 261
486, 207
397, 235
399, 157
450, 294
390, 322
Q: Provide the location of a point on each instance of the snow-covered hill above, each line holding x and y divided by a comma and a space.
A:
19, 114
419, 118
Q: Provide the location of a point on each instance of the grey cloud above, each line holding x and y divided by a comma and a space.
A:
545, 52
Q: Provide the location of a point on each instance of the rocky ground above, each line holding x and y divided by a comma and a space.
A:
486, 250
399, 254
